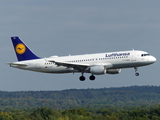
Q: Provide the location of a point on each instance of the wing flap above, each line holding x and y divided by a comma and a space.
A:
76, 66
61, 63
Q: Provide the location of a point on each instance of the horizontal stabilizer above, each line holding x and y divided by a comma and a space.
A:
17, 64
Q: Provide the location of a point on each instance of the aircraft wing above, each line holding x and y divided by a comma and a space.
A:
79, 66
76, 66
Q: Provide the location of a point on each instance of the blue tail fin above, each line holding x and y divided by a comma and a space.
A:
22, 51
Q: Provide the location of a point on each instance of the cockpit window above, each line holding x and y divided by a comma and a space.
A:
145, 55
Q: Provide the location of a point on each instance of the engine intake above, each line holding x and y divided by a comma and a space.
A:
98, 70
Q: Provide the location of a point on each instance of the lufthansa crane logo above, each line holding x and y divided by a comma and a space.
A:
20, 48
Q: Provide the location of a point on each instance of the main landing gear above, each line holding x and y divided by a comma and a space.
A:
82, 78
136, 71
92, 77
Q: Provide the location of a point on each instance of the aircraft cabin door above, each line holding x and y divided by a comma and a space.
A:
38, 64
133, 56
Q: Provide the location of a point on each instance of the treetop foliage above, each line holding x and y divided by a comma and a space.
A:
77, 98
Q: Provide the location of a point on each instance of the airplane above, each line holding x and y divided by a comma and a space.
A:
95, 64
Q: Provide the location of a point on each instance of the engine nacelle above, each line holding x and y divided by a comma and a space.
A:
98, 70
113, 71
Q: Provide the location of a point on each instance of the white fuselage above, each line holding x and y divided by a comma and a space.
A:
111, 60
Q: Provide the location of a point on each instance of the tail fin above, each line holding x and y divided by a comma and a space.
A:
22, 51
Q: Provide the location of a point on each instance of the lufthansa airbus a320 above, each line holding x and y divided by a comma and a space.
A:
95, 64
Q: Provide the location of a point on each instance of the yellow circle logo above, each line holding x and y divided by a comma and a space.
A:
20, 48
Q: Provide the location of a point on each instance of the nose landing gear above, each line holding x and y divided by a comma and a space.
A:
136, 71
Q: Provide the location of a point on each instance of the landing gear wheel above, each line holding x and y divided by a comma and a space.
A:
136, 71
82, 78
137, 74
92, 77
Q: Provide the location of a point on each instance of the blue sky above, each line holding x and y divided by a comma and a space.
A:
78, 27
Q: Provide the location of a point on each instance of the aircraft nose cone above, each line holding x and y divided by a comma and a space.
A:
153, 59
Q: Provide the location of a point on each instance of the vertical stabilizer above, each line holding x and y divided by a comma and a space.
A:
22, 51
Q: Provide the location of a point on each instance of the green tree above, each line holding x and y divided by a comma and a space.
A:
45, 114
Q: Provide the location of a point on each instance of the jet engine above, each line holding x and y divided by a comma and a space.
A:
113, 71
98, 70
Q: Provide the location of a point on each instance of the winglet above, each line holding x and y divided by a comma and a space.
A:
22, 51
